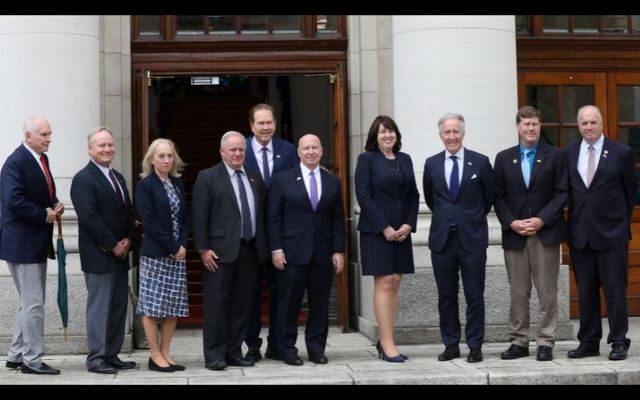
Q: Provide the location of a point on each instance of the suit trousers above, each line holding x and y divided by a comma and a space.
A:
107, 301
227, 294
448, 265
27, 342
540, 264
253, 339
606, 268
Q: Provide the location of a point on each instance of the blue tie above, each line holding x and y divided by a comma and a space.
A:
454, 184
526, 166
265, 166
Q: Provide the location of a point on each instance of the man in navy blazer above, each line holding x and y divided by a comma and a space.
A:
459, 234
268, 155
602, 193
29, 206
231, 241
105, 236
530, 200
306, 234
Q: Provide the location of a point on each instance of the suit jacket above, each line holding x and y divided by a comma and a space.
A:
545, 197
217, 221
25, 237
293, 225
381, 204
601, 213
474, 201
284, 157
154, 210
102, 220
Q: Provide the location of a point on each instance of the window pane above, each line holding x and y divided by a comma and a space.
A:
555, 23
253, 23
327, 23
570, 135
631, 136
222, 24
550, 136
149, 25
635, 24
545, 99
614, 24
585, 24
574, 97
522, 24
285, 23
189, 25
628, 103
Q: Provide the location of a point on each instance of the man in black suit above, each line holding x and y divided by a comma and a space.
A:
602, 194
458, 187
531, 191
29, 206
306, 230
269, 155
228, 232
105, 235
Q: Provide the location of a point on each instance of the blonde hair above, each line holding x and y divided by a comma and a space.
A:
147, 167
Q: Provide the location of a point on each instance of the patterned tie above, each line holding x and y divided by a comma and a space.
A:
591, 165
313, 190
116, 187
454, 184
526, 166
47, 175
265, 166
247, 233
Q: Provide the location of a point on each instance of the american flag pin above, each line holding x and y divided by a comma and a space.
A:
515, 161
298, 178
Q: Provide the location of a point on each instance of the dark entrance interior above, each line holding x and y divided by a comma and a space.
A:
195, 112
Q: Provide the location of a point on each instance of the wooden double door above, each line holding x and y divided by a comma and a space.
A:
558, 96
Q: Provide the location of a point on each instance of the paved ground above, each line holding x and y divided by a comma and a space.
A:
353, 361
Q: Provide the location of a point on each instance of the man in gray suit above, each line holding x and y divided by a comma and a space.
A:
228, 232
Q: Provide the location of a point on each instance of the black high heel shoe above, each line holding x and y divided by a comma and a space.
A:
397, 359
155, 367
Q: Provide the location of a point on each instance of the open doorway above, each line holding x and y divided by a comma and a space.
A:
195, 112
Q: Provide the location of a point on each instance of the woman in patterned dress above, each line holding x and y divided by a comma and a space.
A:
161, 204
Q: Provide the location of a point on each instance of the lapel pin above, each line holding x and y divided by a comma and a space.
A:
515, 161
298, 178
538, 160
277, 155
469, 163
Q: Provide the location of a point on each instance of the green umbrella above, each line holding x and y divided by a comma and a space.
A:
62, 278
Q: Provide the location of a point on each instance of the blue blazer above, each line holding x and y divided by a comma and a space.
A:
474, 201
293, 226
545, 197
381, 204
154, 210
602, 212
102, 221
284, 157
25, 237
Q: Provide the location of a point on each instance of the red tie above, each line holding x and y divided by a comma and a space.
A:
47, 175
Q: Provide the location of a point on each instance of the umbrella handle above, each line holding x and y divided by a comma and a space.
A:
59, 220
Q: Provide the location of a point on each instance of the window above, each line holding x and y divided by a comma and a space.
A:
578, 25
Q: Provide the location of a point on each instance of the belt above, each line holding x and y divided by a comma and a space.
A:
453, 228
247, 241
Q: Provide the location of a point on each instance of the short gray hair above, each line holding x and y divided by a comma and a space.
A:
93, 132
448, 116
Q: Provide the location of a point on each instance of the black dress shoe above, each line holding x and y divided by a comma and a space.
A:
294, 360
474, 356
514, 351
177, 367
273, 354
545, 353
216, 365
40, 369
102, 369
618, 352
253, 355
583, 351
239, 362
318, 358
155, 367
13, 364
119, 364
449, 353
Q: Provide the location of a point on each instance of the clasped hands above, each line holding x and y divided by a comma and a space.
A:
393, 235
58, 208
527, 227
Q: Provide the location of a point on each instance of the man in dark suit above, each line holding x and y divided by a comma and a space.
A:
531, 191
269, 155
105, 235
458, 187
29, 206
602, 192
306, 231
228, 232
